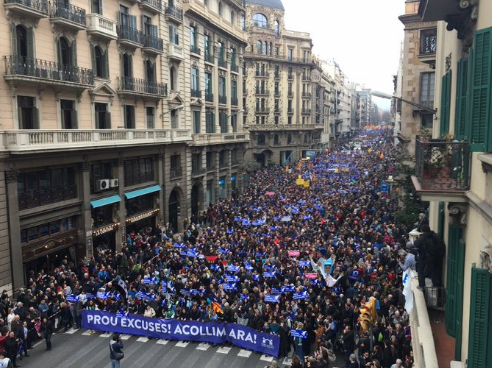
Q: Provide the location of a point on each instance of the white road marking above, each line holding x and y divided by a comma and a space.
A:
143, 339
182, 344
162, 342
203, 346
223, 350
266, 358
244, 353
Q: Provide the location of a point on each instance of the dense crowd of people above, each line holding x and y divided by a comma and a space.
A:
250, 260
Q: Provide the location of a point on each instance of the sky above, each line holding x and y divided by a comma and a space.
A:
364, 37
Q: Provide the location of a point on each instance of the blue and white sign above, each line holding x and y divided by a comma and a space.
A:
299, 333
169, 329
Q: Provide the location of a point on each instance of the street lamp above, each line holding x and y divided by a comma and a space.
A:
234, 114
177, 108
390, 97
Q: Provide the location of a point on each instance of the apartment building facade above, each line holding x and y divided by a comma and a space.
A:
104, 129
281, 88
453, 171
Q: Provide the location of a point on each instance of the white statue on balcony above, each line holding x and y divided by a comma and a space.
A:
486, 258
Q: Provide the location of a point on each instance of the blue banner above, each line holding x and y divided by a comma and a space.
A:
299, 333
169, 329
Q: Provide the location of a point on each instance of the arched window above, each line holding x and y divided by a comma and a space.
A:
150, 71
259, 47
265, 48
22, 46
289, 139
220, 7
100, 62
259, 20
275, 140
261, 139
277, 28
65, 52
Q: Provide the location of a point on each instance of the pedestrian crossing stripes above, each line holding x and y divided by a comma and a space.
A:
125, 337
224, 350
203, 346
244, 353
266, 358
143, 339
162, 342
182, 344
71, 331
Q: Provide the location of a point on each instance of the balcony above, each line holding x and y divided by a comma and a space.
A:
195, 50
174, 13
35, 9
196, 93
223, 100
209, 97
152, 45
442, 169
428, 45
306, 95
262, 110
234, 68
222, 63
67, 16
197, 171
28, 141
153, 6
306, 111
175, 172
209, 58
262, 92
132, 178
46, 197
234, 101
175, 52
101, 27
218, 138
129, 36
262, 74
290, 76
306, 78
20, 70
140, 87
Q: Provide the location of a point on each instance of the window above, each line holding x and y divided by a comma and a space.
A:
233, 17
100, 170
28, 114
100, 62
150, 117
129, 116
127, 69
289, 139
290, 54
289, 120
139, 204
259, 47
277, 28
175, 162
243, 23
47, 229
222, 86
234, 157
210, 121
223, 121
68, 114
102, 116
427, 89
139, 170
193, 43
196, 121
445, 103
173, 34
220, 8
260, 140
234, 122
265, 48
173, 78
276, 119
195, 81
23, 40
259, 20
223, 158
96, 7
233, 57
174, 119
234, 89
271, 49
277, 105
196, 163
206, 45
67, 54
208, 83
210, 160
276, 140
221, 51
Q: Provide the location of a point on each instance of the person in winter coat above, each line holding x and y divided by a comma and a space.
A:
11, 345
115, 351
46, 331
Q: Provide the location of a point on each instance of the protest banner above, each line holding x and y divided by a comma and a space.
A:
170, 329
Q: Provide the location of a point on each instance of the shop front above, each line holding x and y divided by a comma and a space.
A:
49, 245
142, 210
105, 223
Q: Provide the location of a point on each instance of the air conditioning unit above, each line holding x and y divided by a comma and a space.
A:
102, 184
113, 183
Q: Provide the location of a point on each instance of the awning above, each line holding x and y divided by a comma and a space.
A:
141, 192
105, 201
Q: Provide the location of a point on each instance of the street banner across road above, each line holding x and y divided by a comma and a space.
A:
170, 329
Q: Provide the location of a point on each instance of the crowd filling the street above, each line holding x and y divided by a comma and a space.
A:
297, 254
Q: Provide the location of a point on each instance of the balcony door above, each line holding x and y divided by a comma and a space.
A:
23, 50
127, 71
150, 76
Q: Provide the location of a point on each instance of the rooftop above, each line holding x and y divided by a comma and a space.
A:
270, 3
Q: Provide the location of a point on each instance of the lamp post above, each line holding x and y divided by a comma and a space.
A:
234, 114
177, 108
390, 97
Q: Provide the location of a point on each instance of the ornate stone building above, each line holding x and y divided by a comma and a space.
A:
116, 116
282, 85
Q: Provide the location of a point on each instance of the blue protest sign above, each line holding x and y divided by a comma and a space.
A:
303, 295
272, 298
384, 187
214, 333
298, 333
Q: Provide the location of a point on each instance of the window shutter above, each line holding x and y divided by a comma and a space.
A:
13, 32
479, 318
125, 117
35, 118
30, 43
459, 294
74, 52
171, 34
445, 103
480, 90
107, 121
452, 269
133, 21
19, 118
461, 100
73, 118
142, 19
106, 63
93, 59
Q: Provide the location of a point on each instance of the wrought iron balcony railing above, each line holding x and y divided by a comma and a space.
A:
209, 58
306, 111
133, 35
72, 13
262, 91
428, 41
276, 75
222, 99
16, 65
234, 68
141, 86
156, 4
40, 6
174, 12
175, 172
222, 63
152, 42
234, 101
196, 93
209, 97
46, 196
442, 165
138, 178
195, 50
262, 74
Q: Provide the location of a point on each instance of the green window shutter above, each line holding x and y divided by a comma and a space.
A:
460, 279
445, 92
452, 269
13, 33
480, 90
461, 100
440, 220
93, 59
30, 43
106, 63
479, 318
74, 52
